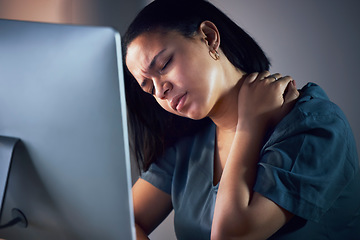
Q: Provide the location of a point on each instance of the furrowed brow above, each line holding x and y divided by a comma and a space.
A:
153, 61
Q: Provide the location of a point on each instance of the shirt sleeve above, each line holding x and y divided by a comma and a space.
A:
308, 160
160, 173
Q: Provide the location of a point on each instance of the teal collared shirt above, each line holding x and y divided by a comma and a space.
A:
308, 165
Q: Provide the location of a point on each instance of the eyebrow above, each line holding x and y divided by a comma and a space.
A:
153, 61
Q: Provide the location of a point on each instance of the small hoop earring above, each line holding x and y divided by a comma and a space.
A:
214, 54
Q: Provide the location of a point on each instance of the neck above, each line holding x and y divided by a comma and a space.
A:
225, 112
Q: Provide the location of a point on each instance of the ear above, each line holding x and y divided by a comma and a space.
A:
210, 34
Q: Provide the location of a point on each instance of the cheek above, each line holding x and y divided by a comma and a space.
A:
205, 85
201, 74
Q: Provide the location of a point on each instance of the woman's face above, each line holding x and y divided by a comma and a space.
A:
177, 71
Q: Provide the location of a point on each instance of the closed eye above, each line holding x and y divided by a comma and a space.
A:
147, 89
152, 90
166, 64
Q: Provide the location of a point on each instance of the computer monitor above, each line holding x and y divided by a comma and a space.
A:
63, 122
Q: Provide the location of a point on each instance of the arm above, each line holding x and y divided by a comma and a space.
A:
239, 212
140, 234
151, 206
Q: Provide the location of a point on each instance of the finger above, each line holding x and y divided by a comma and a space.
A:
263, 75
290, 97
282, 83
291, 92
276, 76
251, 77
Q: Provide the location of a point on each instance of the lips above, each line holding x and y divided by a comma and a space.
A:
178, 101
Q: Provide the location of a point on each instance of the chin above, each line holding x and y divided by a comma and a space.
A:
195, 115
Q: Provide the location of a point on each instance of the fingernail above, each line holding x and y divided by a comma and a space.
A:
294, 83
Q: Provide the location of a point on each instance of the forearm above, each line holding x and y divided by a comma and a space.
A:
239, 212
140, 234
232, 208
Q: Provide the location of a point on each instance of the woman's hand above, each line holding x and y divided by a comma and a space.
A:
265, 99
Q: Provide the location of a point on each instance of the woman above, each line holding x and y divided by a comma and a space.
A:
265, 161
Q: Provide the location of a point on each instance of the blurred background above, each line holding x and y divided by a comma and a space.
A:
313, 41
115, 13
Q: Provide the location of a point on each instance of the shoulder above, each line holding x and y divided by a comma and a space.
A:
316, 128
313, 101
310, 149
313, 110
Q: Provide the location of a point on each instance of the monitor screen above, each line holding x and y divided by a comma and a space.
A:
62, 97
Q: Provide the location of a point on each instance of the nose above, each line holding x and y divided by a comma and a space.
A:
162, 89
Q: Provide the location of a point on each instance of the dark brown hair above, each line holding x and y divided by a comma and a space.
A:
153, 129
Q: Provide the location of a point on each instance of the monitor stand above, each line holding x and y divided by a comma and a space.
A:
7, 146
